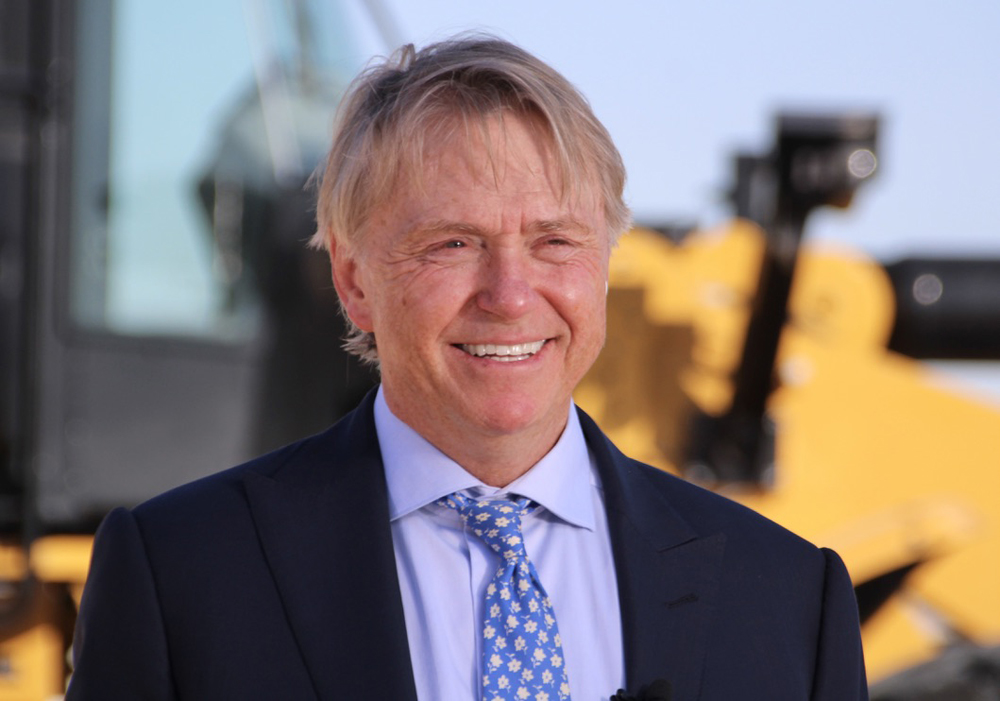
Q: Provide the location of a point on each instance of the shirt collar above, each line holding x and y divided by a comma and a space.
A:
418, 474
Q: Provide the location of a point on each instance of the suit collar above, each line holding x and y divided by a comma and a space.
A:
667, 572
340, 590
345, 615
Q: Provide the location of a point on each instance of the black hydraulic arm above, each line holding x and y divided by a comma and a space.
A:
816, 161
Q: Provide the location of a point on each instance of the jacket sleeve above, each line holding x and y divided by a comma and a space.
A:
840, 664
119, 647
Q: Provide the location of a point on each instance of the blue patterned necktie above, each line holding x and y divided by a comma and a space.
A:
522, 650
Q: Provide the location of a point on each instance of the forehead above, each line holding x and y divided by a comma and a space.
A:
489, 152
504, 153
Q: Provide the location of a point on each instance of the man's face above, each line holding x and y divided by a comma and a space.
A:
484, 287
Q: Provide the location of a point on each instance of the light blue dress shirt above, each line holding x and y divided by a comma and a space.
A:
443, 571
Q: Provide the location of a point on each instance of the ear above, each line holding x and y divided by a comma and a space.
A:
347, 279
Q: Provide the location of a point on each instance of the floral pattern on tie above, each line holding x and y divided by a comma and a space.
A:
522, 650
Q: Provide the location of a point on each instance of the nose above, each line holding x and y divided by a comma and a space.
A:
507, 290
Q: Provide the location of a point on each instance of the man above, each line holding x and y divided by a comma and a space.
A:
465, 533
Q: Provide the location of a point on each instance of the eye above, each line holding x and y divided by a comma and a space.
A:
454, 244
557, 244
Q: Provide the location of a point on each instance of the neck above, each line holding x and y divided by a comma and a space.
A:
499, 462
494, 458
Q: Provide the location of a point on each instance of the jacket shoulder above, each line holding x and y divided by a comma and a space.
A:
221, 490
711, 511
629, 482
313, 463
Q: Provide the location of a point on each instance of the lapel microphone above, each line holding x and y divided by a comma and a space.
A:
658, 690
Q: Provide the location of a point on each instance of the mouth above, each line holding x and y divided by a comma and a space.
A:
503, 353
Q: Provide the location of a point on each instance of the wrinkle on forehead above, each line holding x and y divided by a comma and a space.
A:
485, 142
543, 225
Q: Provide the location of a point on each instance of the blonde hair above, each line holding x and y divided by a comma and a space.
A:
392, 107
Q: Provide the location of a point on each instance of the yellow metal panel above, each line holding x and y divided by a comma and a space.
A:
61, 558
876, 455
33, 650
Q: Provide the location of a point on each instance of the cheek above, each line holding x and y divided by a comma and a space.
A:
591, 314
582, 296
597, 326
420, 304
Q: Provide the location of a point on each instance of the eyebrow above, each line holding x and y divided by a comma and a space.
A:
561, 225
445, 225
545, 225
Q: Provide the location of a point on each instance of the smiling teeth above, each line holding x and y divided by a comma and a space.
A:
518, 351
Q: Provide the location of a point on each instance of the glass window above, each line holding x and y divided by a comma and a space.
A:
192, 122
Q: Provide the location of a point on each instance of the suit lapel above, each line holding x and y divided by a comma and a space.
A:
323, 522
668, 575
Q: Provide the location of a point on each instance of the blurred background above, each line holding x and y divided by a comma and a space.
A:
831, 358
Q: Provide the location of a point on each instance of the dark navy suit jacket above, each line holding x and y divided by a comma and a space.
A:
277, 580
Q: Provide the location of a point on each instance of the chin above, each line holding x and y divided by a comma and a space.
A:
509, 417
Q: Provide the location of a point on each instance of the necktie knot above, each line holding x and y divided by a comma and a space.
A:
496, 522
